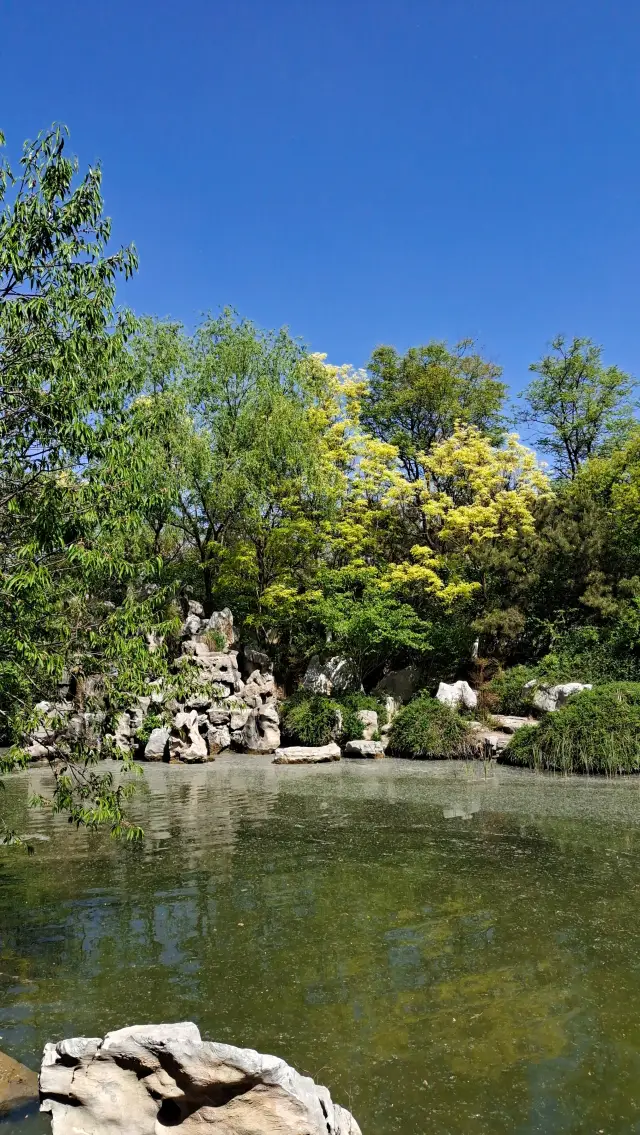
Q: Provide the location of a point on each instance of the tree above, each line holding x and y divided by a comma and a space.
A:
61, 391
580, 404
414, 400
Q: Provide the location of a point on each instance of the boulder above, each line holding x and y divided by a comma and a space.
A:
457, 695
550, 698
261, 733
374, 749
307, 755
336, 675
218, 738
145, 1079
369, 719
191, 626
401, 685
18, 1085
196, 608
156, 746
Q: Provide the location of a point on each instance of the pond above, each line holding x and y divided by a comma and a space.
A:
449, 948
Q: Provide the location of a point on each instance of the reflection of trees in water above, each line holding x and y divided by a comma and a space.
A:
367, 936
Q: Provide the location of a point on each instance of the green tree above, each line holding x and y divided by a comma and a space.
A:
578, 404
62, 388
414, 400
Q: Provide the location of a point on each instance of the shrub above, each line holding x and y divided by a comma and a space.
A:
310, 719
151, 722
215, 640
507, 687
596, 731
315, 719
426, 728
365, 701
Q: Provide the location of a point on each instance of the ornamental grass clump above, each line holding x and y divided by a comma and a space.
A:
425, 729
597, 731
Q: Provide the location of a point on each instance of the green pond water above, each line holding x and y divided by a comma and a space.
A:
449, 951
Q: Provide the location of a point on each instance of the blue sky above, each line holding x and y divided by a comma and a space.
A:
364, 171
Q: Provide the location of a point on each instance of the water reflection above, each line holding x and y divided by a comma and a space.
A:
439, 974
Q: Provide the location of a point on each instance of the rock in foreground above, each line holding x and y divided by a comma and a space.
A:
144, 1079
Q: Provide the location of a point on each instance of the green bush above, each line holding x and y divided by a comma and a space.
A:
365, 701
310, 719
507, 688
425, 728
315, 719
596, 731
151, 722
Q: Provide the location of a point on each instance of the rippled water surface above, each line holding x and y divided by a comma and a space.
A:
449, 952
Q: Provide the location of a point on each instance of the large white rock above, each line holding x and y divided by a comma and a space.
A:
373, 749
145, 1079
550, 698
156, 746
307, 754
456, 695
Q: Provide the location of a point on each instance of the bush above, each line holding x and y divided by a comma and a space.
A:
315, 719
596, 731
507, 688
425, 728
310, 719
365, 701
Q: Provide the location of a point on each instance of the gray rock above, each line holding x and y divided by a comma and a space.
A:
315, 679
148, 1078
122, 733
336, 675
369, 719
400, 684
156, 746
196, 608
373, 749
219, 714
456, 695
508, 723
309, 755
191, 626
254, 659
261, 733
218, 738
239, 716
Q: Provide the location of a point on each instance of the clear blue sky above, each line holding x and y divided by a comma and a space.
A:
364, 171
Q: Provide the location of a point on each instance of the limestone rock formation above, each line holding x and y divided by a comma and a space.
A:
145, 1079
218, 708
